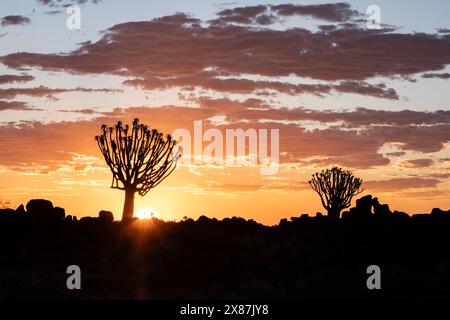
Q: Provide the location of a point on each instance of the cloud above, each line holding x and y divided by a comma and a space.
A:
175, 49
399, 184
396, 154
42, 91
53, 12
355, 143
82, 111
14, 20
9, 78
211, 81
334, 12
444, 76
426, 195
66, 3
235, 56
268, 14
254, 109
440, 175
417, 163
426, 139
341, 145
359, 87
245, 15
257, 186
13, 105
443, 30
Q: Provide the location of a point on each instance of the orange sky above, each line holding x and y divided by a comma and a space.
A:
79, 181
339, 94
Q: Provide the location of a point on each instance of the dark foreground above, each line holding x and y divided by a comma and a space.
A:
305, 258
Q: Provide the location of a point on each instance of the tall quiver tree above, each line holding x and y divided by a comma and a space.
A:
139, 158
336, 188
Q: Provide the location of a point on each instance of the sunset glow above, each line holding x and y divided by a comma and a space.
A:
314, 75
146, 213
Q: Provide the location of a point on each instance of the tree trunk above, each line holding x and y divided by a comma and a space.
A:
128, 206
334, 213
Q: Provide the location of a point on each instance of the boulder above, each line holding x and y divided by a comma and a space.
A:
437, 211
59, 213
87, 220
362, 210
204, 219
21, 210
400, 215
43, 210
345, 214
106, 216
283, 222
40, 209
380, 210
364, 205
7, 212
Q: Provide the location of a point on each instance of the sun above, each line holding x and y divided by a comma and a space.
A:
146, 213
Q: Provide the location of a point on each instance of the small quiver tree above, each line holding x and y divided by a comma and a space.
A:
336, 188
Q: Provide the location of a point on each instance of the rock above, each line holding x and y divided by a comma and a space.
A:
345, 214
59, 213
364, 205
303, 217
437, 211
400, 215
40, 209
380, 210
362, 211
21, 210
352, 213
106, 216
8, 212
422, 217
203, 219
87, 220
383, 210
43, 210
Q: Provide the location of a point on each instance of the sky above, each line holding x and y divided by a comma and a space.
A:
372, 100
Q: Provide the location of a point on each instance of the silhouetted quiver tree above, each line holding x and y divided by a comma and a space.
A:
139, 158
336, 188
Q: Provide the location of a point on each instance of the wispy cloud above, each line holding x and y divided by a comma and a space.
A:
14, 20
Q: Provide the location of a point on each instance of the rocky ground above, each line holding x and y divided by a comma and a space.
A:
302, 258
